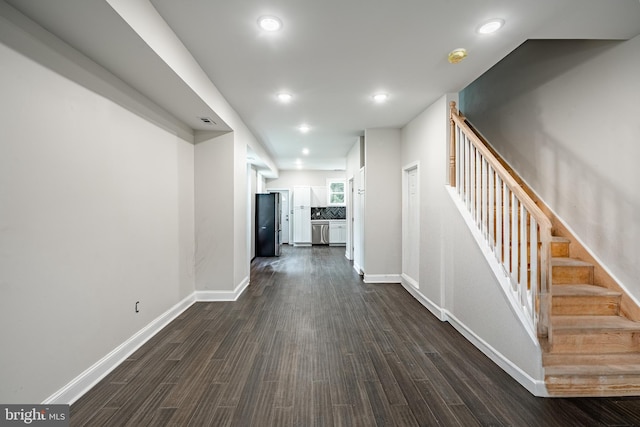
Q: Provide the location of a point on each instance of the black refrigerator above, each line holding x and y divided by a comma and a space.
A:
268, 224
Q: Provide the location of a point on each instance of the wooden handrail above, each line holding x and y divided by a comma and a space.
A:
506, 177
540, 299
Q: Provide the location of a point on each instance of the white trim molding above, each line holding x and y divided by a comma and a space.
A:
406, 279
213, 296
426, 302
357, 268
91, 376
382, 278
535, 387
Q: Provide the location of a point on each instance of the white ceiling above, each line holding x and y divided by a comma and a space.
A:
332, 55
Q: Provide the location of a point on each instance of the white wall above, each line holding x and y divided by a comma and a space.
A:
565, 116
241, 229
456, 282
96, 213
383, 213
422, 140
214, 210
221, 209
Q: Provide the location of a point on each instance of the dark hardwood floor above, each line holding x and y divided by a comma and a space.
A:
310, 344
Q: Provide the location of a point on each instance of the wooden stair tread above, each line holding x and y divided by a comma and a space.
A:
592, 370
569, 262
584, 324
564, 359
582, 290
558, 239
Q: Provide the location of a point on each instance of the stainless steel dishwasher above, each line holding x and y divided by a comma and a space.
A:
319, 232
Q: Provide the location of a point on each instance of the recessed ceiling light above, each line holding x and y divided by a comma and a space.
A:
305, 151
304, 128
490, 26
284, 97
380, 97
270, 23
457, 55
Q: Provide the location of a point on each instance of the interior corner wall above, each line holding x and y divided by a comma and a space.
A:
383, 215
241, 230
95, 215
564, 115
455, 278
214, 214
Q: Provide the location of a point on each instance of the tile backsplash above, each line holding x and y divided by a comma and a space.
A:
331, 212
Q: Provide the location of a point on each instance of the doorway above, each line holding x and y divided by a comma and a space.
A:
350, 220
411, 225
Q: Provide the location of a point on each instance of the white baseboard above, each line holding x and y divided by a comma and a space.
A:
212, 296
91, 376
535, 387
382, 278
409, 281
426, 302
357, 268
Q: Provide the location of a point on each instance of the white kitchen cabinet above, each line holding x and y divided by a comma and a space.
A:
302, 216
338, 232
318, 197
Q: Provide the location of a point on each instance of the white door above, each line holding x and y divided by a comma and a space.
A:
411, 226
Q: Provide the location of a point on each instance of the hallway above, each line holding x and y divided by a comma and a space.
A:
310, 344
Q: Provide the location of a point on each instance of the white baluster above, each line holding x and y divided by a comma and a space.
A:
471, 203
467, 169
515, 207
506, 216
485, 190
533, 260
492, 197
524, 237
499, 216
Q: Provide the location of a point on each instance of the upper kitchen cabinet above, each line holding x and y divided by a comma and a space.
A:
336, 192
318, 196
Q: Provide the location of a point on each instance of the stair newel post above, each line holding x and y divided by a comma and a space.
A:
452, 146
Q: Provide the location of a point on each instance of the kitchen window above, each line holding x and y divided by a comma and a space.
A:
335, 192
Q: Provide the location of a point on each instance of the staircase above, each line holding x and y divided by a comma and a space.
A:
594, 350
588, 328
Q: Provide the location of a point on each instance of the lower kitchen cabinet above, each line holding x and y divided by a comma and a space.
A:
337, 233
